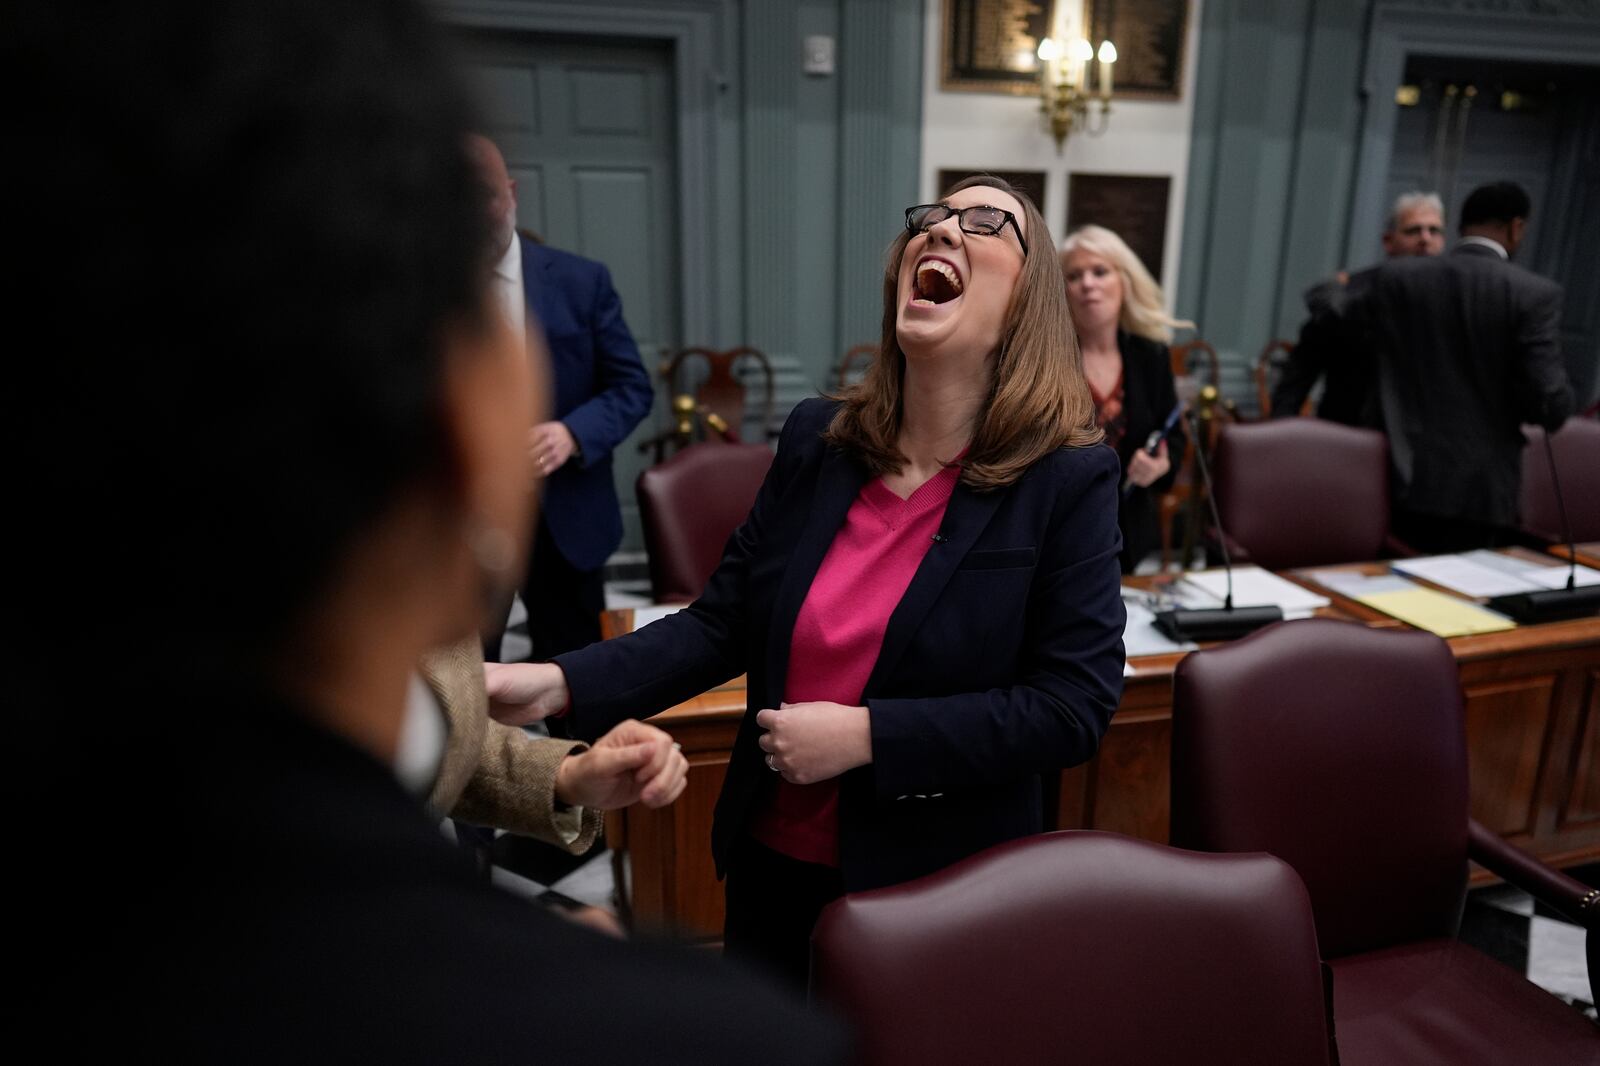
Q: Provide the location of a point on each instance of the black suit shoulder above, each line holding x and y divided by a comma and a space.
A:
809, 419
317, 916
1076, 466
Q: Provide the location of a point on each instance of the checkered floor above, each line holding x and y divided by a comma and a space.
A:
1506, 923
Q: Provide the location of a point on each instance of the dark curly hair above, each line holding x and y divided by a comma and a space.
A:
253, 223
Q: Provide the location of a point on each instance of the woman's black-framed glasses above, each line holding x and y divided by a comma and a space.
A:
981, 219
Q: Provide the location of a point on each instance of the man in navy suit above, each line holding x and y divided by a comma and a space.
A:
601, 393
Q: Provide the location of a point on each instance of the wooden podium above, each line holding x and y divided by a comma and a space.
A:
1533, 745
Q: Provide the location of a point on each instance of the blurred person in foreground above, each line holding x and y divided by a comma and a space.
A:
1330, 348
1124, 329
1469, 349
282, 410
924, 597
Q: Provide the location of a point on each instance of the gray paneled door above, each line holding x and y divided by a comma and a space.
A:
588, 131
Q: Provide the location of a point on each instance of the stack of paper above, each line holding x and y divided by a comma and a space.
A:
1555, 577
1487, 573
1252, 587
1141, 637
1436, 612
643, 616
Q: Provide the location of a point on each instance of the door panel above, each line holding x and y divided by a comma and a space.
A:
588, 128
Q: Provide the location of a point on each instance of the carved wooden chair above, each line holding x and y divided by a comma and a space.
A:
709, 397
854, 364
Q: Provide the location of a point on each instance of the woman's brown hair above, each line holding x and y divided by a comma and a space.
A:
1038, 399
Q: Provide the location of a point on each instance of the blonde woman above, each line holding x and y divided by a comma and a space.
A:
925, 596
1124, 330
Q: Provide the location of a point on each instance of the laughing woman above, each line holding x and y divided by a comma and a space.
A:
924, 596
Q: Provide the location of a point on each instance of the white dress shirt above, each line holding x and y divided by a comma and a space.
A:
1487, 242
508, 286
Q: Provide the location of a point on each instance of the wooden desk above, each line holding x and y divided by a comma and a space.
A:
1533, 738
1588, 552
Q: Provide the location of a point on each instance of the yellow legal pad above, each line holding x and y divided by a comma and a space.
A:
1436, 612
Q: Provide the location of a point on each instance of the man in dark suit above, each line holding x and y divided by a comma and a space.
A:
1331, 347
602, 392
1468, 350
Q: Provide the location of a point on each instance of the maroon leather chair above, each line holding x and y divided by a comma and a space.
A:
1576, 446
1303, 492
1341, 750
1079, 947
689, 506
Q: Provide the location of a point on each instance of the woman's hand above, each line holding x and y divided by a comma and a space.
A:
634, 763
1145, 469
524, 693
810, 742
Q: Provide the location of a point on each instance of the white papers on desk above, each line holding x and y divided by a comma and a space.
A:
1354, 584
1487, 573
1555, 577
1252, 587
643, 616
1141, 637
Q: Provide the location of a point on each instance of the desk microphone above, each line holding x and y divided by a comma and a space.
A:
1153, 441
1214, 623
1553, 605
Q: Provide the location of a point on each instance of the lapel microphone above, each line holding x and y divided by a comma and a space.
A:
940, 538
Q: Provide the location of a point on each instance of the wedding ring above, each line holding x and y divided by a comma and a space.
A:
771, 767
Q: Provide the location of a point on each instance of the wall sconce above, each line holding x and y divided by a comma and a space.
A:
1064, 97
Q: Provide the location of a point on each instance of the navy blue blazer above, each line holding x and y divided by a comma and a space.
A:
1002, 662
601, 392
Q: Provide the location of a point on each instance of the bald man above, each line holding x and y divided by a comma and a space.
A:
601, 393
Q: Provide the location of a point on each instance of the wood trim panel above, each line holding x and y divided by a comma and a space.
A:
1533, 733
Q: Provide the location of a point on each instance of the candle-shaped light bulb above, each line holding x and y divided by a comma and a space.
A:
1049, 52
1108, 56
1083, 55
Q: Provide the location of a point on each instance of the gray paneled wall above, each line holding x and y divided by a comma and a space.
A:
1276, 111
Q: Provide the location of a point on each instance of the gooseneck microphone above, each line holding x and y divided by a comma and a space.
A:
1553, 605
1214, 623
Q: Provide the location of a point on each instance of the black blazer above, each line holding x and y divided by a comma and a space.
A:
1148, 396
302, 908
1002, 662
1333, 348
1469, 348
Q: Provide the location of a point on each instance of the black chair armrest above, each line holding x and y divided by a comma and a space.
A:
1572, 898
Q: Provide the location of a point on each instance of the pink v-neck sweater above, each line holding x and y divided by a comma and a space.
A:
838, 634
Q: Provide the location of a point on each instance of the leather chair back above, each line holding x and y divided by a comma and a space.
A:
1340, 749
1303, 492
1079, 947
689, 506
1577, 452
